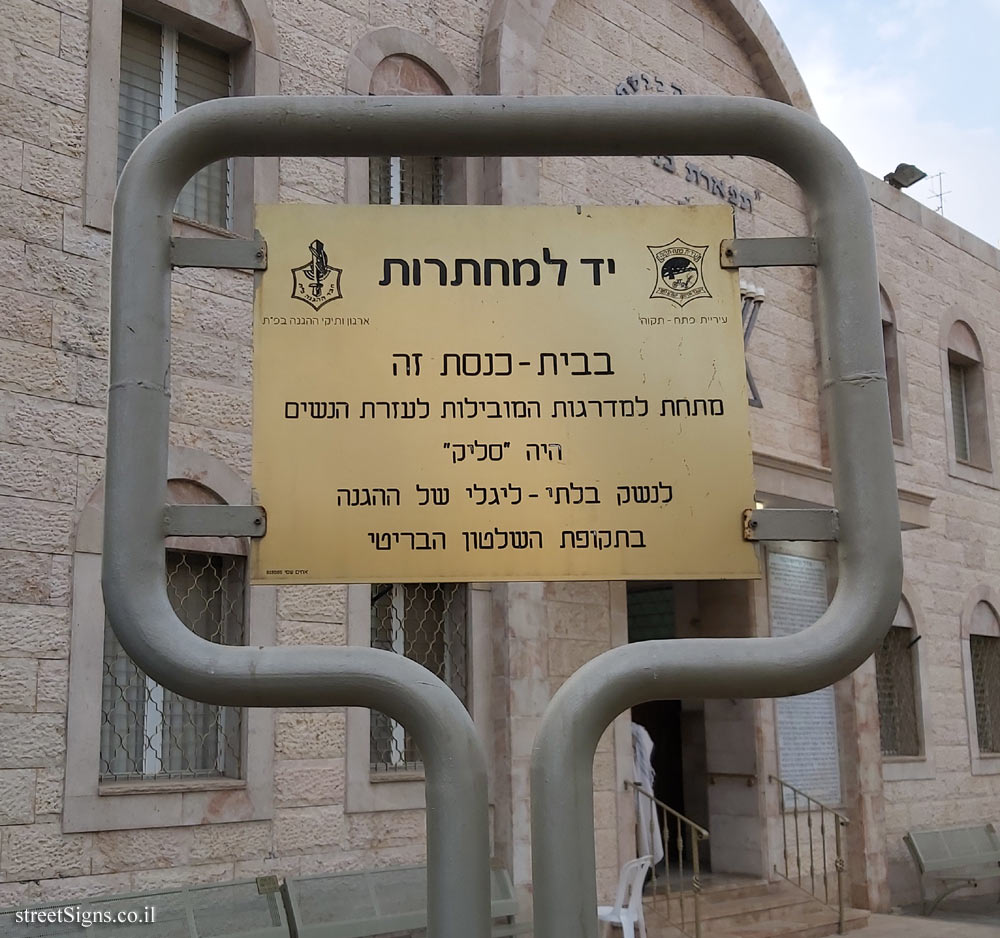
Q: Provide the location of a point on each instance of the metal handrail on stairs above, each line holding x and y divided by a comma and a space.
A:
685, 832
793, 872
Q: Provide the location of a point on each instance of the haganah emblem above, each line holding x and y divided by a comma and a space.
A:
678, 271
316, 283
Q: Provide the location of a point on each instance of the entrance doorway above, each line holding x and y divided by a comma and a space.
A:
676, 727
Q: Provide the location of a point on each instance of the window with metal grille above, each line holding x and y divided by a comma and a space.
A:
895, 670
426, 622
751, 303
151, 733
163, 72
985, 654
406, 180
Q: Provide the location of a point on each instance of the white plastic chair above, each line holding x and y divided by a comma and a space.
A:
626, 913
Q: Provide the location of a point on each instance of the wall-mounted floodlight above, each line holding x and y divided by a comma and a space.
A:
904, 175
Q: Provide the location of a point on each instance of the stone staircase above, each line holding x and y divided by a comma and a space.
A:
750, 909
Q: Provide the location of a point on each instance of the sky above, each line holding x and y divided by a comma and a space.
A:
909, 81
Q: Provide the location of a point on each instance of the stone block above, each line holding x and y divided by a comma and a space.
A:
92, 382
309, 735
28, 524
308, 782
23, 116
31, 23
219, 360
11, 160
73, 39
83, 241
382, 829
31, 740
301, 830
155, 848
589, 622
37, 473
566, 655
60, 581
41, 631
232, 448
42, 851
52, 685
17, 796
311, 633
83, 887
48, 791
53, 425
52, 79
313, 603
230, 842
24, 577
28, 217
67, 131
52, 175
18, 681
175, 877
26, 318
209, 405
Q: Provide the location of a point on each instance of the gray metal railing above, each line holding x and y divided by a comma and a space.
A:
814, 881
681, 832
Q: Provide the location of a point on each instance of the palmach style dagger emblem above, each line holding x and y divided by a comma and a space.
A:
316, 283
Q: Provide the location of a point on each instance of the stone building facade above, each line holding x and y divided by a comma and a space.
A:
301, 796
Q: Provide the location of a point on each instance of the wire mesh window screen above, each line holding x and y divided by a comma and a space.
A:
405, 180
895, 669
985, 653
428, 623
149, 732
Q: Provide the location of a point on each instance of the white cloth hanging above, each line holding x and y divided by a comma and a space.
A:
648, 839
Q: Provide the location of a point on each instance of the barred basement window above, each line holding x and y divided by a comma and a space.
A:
151, 733
985, 654
406, 180
895, 669
163, 72
426, 622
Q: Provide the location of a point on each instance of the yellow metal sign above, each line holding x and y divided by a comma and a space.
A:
486, 393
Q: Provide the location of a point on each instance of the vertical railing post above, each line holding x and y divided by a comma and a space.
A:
696, 882
840, 881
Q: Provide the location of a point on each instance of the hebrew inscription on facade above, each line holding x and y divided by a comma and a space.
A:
498, 396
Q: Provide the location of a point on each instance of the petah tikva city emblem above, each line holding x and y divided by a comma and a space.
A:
678, 271
316, 283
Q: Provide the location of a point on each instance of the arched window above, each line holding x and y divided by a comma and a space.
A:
150, 60
966, 393
137, 754
981, 669
893, 368
898, 681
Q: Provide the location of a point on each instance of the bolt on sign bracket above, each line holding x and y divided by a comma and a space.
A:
853, 390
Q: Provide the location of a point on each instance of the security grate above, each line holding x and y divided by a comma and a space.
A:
985, 654
149, 732
897, 693
426, 622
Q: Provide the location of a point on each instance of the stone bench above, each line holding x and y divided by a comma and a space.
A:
961, 857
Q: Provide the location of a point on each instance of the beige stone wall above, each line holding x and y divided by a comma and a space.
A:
53, 367
934, 272
53, 379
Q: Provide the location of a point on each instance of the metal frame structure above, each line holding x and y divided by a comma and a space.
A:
854, 391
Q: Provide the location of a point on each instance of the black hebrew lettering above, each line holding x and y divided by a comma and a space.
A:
551, 451
414, 540
559, 262
410, 362
698, 407
602, 539
655, 494
536, 272
375, 497
461, 262
501, 540
509, 494
480, 452
433, 496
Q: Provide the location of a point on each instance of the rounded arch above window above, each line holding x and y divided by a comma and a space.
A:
962, 340
398, 55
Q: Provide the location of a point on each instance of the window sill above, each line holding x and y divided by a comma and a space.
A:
986, 763
377, 778
169, 785
907, 768
970, 473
